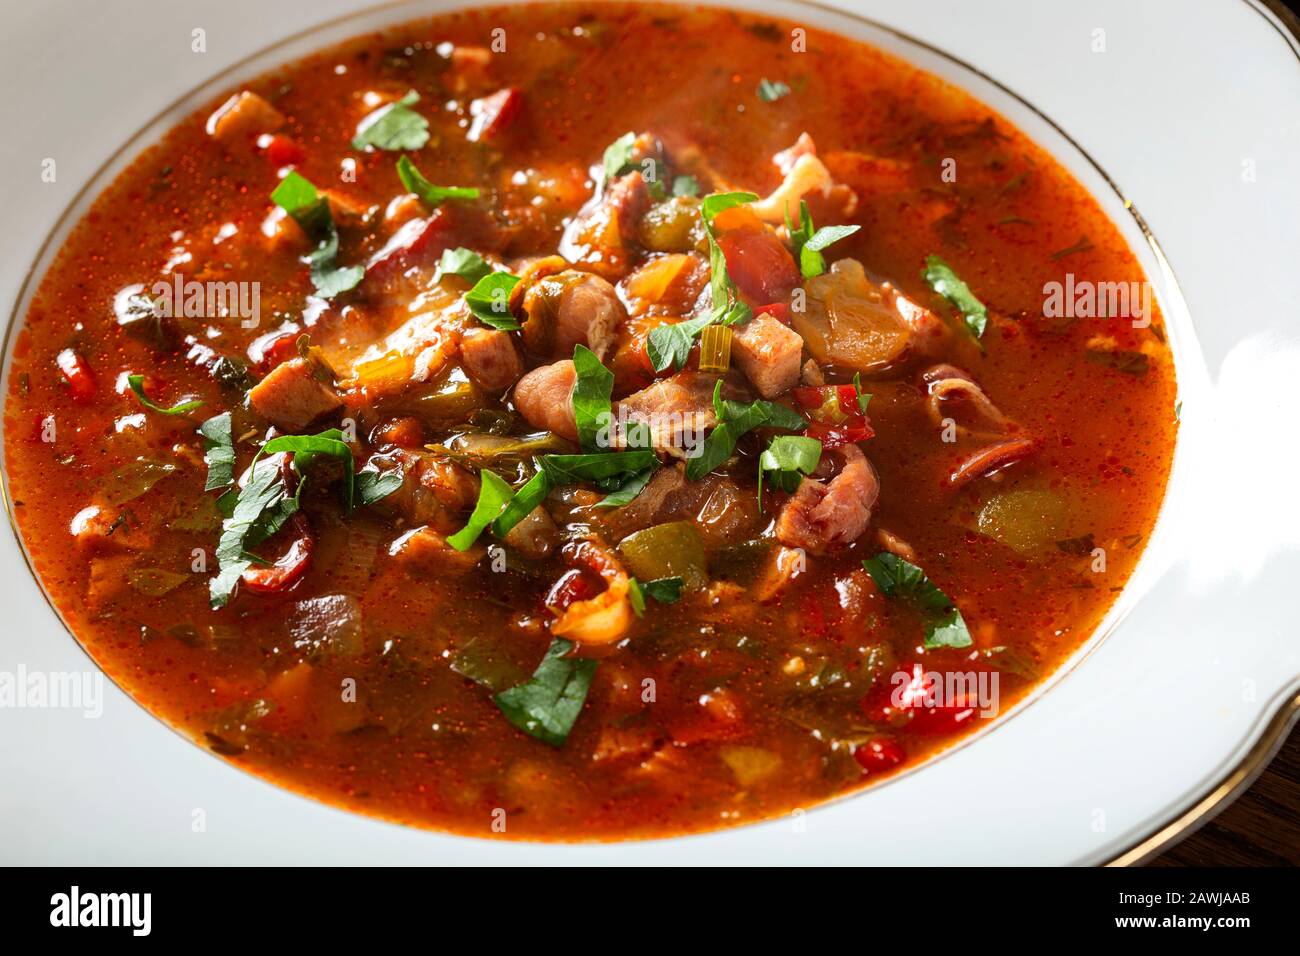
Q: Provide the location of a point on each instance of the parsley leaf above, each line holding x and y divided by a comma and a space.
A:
770, 92
218, 451
493, 496
687, 186
944, 281
898, 578
631, 487
263, 506
466, 263
180, 408
415, 182
571, 469
394, 127
547, 705
311, 211
489, 300
375, 485
522, 503
786, 460
734, 420
618, 156
864, 398
809, 242
592, 409
669, 345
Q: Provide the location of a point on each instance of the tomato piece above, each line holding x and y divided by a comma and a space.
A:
289, 567
878, 755
759, 264
283, 151
81, 382
920, 705
777, 310
493, 114
274, 348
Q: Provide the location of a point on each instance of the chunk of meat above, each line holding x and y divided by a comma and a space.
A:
535, 536
291, 398
435, 491
490, 359
678, 410
426, 551
571, 308
544, 397
769, 353
599, 235
822, 516
242, 117
722, 511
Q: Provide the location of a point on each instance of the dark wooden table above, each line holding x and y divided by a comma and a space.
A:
1262, 828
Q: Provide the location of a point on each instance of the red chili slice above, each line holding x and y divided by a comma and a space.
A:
494, 113
835, 416
292, 565
81, 382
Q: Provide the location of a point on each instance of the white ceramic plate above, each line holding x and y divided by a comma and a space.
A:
1188, 115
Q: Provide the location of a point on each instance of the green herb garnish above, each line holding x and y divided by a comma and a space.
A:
770, 92
311, 211
592, 409
489, 300
394, 127
944, 281
466, 263
897, 578
415, 182
547, 705
618, 156
493, 496
734, 420
809, 242
687, 186
218, 451
786, 460
180, 408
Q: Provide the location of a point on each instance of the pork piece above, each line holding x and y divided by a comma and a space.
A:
820, 516
544, 397
723, 512
426, 552
678, 410
571, 308
243, 116
435, 490
769, 353
535, 536
291, 398
490, 359
599, 236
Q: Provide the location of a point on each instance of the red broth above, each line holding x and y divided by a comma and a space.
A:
360, 657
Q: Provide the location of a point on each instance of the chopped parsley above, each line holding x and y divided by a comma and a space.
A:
415, 182
809, 242
547, 705
734, 420
489, 300
466, 263
897, 578
944, 281
394, 127
770, 91
786, 460
311, 211
180, 408
592, 409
